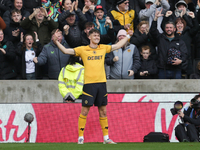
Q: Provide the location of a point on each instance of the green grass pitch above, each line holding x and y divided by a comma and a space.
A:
99, 146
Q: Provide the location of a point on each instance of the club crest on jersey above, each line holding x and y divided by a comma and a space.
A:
129, 50
94, 52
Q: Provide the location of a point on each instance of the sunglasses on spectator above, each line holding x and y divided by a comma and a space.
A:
126, 3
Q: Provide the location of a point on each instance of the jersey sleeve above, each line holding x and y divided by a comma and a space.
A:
108, 48
78, 51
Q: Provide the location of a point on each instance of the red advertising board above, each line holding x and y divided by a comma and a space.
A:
58, 122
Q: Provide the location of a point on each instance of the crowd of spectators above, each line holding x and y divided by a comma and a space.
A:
164, 43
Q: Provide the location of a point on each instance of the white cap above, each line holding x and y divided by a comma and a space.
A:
181, 2
152, 1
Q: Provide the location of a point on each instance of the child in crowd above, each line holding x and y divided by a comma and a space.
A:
148, 69
27, 50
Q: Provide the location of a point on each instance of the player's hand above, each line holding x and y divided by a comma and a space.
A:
55, 36
116, 58
131, 73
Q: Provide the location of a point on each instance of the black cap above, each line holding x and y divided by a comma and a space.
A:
98, 7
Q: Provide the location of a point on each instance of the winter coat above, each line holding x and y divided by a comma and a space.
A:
4, 6
43, 31
150, 66
140, 40
129, 59
164, 44
7, 15
7, 70
120, 19
22, 53
71, 80
54, 58
30, 4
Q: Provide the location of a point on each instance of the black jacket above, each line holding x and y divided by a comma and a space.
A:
30, 4
4, 6
7, 15
140, 40
7, 70
22, 53
150, 66
164, 45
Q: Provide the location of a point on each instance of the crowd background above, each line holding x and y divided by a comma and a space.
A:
27, 27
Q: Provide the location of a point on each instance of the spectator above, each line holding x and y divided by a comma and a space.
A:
51, 55
148, 69
196, 75
53, 7
13, 30
75, 26
122, 16
39, 22
180, 11
29, 5
12, 33
18, 4
104, 39
2, 24
148, 13
5, 5
172, 51
7, 57
100, 20
124, 62
27, 51
197, 37
71, 80
88, 9
142, 37
186, 34
137, 5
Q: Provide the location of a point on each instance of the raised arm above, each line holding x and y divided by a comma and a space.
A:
69, 51
120, 44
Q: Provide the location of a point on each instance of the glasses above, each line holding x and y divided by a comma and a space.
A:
126, 3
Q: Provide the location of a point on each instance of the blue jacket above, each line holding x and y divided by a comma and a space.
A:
102, 29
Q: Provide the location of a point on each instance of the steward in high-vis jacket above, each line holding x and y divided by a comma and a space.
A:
70, 80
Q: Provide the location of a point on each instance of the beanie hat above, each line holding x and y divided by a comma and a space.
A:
121, 32
120, 1
181, 2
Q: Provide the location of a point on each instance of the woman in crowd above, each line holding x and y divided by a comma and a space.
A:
27, 50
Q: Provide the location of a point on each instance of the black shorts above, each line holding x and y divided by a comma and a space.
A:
94, 94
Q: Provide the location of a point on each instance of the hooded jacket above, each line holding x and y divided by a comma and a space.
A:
71, 80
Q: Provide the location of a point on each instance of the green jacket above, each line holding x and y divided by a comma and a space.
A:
43, 31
